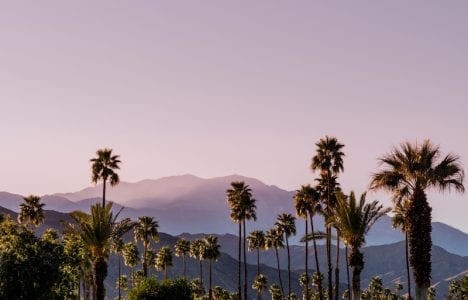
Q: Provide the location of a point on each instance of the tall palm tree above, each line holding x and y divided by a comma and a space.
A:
146, 229
399, 221
260, 284
354, 219
31, 211
103, 168
182, 249
239, 198
98, 230
307, 203
286, 224
131, 258
328, 160
211, 252
164, 260
408, 172
196, 251
274, 239
256, 243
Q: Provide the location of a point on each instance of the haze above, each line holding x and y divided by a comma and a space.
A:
215, 88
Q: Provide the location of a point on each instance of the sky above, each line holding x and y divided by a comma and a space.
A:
214, 88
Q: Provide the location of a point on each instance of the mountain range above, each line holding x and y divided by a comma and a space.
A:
201, 203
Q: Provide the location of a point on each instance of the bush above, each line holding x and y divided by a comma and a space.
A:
151, 289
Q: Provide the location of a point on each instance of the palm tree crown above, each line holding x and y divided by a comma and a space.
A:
31, 211
417, 166
103, 168
146, 229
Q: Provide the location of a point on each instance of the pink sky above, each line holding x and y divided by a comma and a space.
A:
214, 88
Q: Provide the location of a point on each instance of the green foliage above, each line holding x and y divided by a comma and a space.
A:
19, 250
151, 289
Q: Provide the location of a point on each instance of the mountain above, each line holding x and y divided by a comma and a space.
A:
201, 204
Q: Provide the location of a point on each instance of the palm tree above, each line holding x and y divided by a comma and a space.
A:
307, 203
286, 224
260, 284
257, 242
354, 219
146, 229
408, 172
276, 293
103, 168
182, 248
239, 198
431, 293
117, 243
130, 254
164, 259
196, 251
211, 252
98, 230
31, 211
328, 160
274, 239
399, 221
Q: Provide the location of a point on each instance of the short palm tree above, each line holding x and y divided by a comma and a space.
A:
431, 293
31, 211
164, 260
274, 239
182, 249
307, 204
260, 284
97, 231
286, 224
399, 221
276, 293
103, 168
408, 172
131, 259
256, 243
196, 251
239, 198
211, 252
354, 219
146, 229
328, 160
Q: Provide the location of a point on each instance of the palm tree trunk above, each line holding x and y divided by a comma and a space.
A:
104, 192
279, 270
210, 291
100, 274
79, 289
356, 261
165, 272
245, 262
289, 268
337, 266
329, 263
258, 261
306, 259
347, 268
239, 290
317, 265
407, 265
120, 292
145, 266
201, 271
420, 242
185, 269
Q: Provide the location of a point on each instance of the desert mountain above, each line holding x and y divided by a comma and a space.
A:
201, 204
